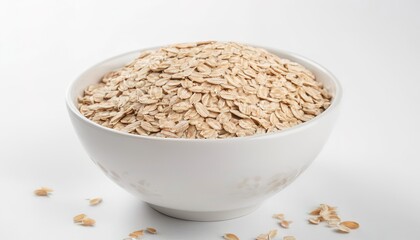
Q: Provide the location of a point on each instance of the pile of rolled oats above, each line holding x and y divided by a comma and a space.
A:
205, 90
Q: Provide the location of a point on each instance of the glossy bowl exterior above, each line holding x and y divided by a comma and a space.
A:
200, 179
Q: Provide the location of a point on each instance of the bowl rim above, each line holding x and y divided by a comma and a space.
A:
300, 127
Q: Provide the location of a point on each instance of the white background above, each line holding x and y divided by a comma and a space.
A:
369, 167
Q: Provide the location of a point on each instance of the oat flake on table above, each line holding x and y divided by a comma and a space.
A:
205, 90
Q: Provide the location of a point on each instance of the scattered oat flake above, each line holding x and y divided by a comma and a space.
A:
350, 224
79, 218
279, 216
230, 236
136, 234
314, 221
95, 201
272, 234
151, 230
267, 236
333, 222
89, 222
289, 238
343, 229
263, 236
334, 217
315, 212
285, 224
43, 191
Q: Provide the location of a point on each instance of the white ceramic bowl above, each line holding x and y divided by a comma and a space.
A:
200, 179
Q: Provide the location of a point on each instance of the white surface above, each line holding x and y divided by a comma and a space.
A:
369, 168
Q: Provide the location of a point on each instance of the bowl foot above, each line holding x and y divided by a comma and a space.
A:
204, 216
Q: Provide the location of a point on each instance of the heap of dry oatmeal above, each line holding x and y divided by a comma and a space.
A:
205, 90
